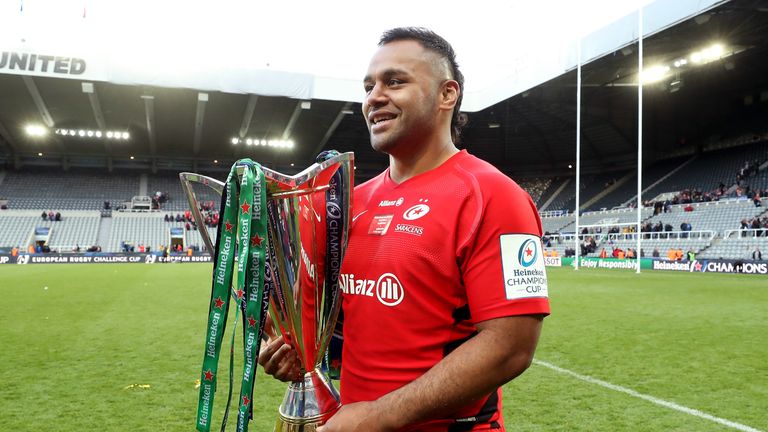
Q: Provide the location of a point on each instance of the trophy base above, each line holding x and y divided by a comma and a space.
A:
308, 404
283, 425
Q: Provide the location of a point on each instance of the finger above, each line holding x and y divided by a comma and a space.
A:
269, 329
269, 353
268, 349
289, 370
282, 355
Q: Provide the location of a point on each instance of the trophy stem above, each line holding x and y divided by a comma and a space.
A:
308, 403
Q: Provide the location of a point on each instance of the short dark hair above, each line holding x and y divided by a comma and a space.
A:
433, 42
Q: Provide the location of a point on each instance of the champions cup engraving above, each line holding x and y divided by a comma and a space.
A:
300, 260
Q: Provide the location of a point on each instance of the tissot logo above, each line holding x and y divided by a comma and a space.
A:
387, 288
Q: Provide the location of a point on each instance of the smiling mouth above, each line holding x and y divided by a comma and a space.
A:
383, 118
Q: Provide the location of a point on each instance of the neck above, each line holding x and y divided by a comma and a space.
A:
423, 159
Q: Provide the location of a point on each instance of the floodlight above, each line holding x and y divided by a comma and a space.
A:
90, 133
235, 141
81, 133
35, 130
654, 74
126, 135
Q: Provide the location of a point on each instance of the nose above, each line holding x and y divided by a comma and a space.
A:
376, 97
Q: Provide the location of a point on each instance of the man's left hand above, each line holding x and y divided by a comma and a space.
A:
357, 417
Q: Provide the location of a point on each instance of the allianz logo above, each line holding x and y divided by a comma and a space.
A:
390, 203
387, 288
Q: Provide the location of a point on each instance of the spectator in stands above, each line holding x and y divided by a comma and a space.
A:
44, 215
685, 226
76, 249
554, 253
688, 208
630, 253
678, 254
690, 255
655, 253
757, 255
51, 216
756, 199
668, 227
58, 217
603, 253
671, 254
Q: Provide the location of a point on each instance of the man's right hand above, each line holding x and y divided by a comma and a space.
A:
278, 358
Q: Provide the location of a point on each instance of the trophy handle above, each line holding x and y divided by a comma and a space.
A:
187, 179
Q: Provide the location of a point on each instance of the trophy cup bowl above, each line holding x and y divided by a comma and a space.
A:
308, 224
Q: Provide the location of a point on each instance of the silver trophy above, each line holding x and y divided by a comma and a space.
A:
308, 225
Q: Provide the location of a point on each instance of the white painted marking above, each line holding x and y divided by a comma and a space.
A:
657, 401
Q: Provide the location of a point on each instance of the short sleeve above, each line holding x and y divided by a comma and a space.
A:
501, 260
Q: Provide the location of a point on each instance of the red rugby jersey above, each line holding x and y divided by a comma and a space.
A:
426, 260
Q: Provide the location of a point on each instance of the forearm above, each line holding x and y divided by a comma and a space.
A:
496, 355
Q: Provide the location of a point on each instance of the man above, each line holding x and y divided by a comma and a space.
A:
456, 243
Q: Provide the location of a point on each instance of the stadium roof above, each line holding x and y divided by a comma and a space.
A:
174, 126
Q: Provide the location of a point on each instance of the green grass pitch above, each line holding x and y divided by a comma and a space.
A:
71, 351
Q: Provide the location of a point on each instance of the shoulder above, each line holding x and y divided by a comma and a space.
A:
492, 183
498, 202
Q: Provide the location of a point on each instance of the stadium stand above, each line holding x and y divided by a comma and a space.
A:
59, 190
554, 185
590, 185
716, 228
711, 169
618, 196
535, 187
76, 228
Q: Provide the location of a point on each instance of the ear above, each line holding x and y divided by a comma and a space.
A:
449, 94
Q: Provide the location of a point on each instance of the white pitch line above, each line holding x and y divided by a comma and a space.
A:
657, 401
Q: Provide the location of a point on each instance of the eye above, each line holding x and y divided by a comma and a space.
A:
368, 88
394, 82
